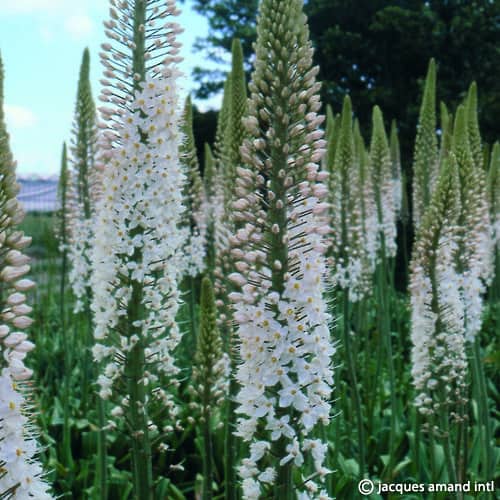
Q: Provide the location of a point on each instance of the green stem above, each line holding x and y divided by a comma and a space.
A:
284, 489
66, 444
135, 362
432, 443
192, 310
331, 454
460, 458
494, 293
385, 331
416, 454
141, 444
230, 451
207, 456
87, 365
351, 369
482, 403
102, 473
446, 441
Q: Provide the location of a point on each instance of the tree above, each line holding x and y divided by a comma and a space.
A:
227, 19
381, 57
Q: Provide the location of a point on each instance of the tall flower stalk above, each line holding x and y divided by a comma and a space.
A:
81, 218
21, 475
439, 363
194, 221
220, 236
494, 198
194, 218
385, 245
209, 379
82, 161
396, 169
62, 230
425, 159
367, 198
474, 263
476, 146
209, 179
285, 372
349, 255
138, 243
348, 249
231, 118
446, 126
475, 244
62, 227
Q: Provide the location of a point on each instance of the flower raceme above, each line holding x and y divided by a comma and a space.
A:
350, 258
475, 255
195, 222
21, 475
367, 200
143, 190
137, 258
382, 182
439, 363
285, 372
80, 202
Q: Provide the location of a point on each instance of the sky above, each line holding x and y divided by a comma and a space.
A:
41, 43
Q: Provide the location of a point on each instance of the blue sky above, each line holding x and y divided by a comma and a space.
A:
41, 42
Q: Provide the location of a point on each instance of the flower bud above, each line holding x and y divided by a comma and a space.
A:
24, 285
22, 322
16, 299
14, 338
11, 273
16, 258
4, 331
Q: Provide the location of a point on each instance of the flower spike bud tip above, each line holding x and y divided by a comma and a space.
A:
425, 158
396, 168
382, 183
475, 142
446, 132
